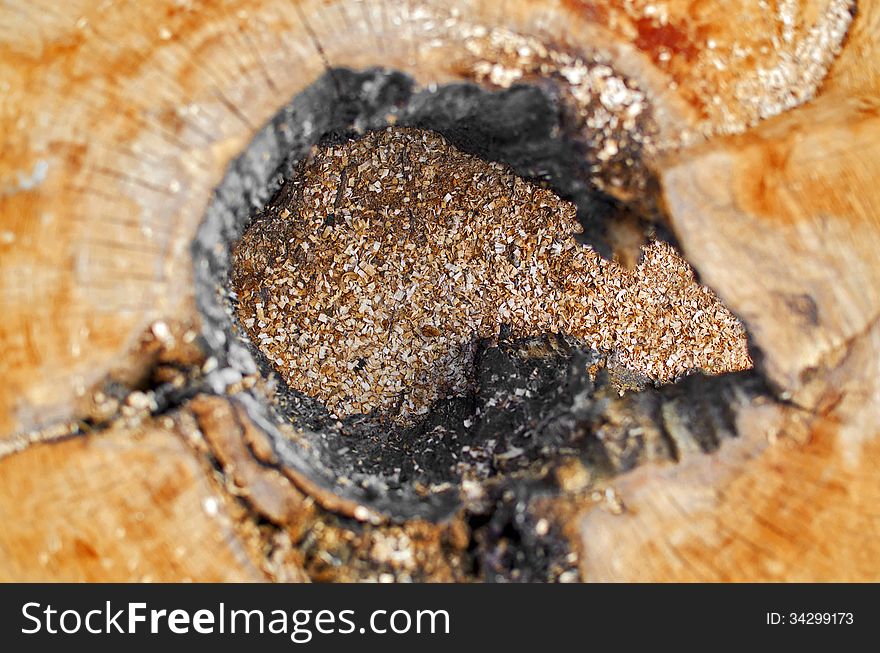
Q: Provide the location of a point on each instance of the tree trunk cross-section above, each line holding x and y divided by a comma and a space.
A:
134, 440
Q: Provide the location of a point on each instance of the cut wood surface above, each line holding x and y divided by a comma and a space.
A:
116, 122
121, 505
766, 507
783, 223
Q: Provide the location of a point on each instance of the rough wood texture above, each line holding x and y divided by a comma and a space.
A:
783, 222
756, 510
129, 504
117, 121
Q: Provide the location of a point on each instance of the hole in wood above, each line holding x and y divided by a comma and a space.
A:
407, 270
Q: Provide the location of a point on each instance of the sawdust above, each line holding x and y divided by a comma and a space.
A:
390, 256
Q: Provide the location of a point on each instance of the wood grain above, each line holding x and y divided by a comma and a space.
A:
783, 223
129, 504
117, 121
